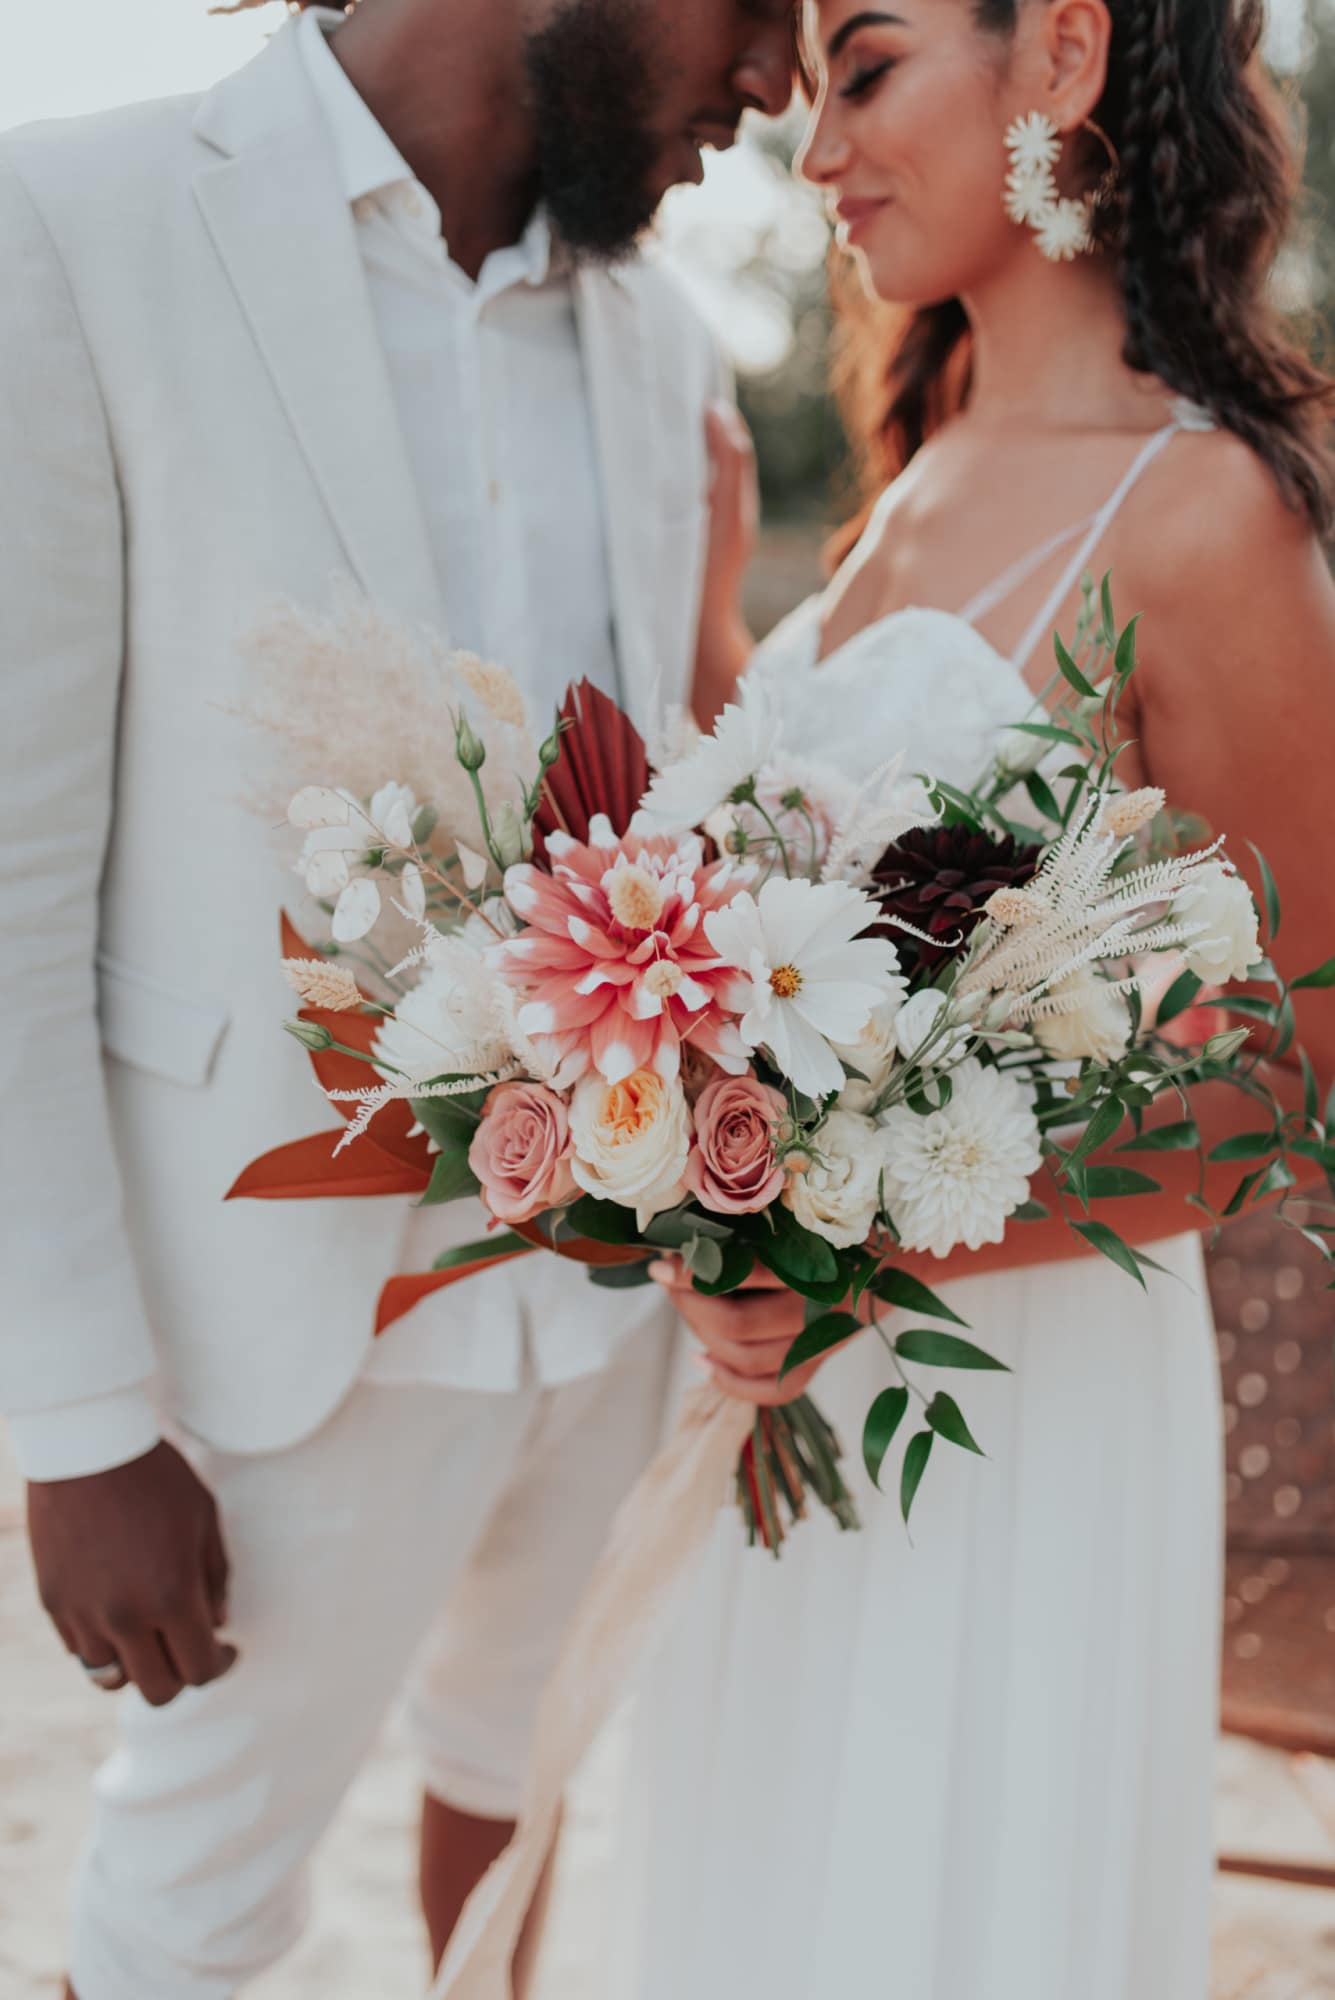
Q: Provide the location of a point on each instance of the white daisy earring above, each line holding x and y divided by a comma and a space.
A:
1063, 227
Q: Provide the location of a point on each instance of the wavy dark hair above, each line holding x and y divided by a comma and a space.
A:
1206, 192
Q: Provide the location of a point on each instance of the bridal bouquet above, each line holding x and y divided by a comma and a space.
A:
736, 1007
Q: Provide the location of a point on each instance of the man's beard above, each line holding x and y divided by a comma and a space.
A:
593, 98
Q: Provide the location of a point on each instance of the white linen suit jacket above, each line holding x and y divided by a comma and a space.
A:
195, 420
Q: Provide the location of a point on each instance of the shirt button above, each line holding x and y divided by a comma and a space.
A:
494, 491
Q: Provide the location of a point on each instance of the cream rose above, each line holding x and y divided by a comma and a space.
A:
837, 1196
632, 1140
1231, 942
1093, 1020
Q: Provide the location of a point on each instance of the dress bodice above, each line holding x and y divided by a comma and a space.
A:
921, 682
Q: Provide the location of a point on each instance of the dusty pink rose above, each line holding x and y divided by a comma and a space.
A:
732, 1169
521, 1151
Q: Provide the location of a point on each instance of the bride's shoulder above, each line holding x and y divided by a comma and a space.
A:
1223, 569
1213, 505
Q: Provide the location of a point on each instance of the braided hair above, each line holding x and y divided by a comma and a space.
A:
1205, 193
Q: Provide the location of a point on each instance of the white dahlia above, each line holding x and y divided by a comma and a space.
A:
954, 1176
451, 1023
742, 742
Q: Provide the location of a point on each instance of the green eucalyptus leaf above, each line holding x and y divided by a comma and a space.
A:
1245, 1146
883, 1420
1042, 796
1323, 976
1112, 1183
451, 1178
621, 1277
1180, 995
1070, 671
915, 1464
739, 1261
1109, 1243
491, 1250
1270, 892
947, 1420
1180, 1138
896, 1288
703, 1258
603, 1221
1124, 662
932, 1348
830, 1330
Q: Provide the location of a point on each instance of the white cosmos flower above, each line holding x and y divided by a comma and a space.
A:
956, 1175
743, 741
808, 978
451, 1022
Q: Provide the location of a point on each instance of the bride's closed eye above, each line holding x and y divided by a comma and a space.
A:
864, 80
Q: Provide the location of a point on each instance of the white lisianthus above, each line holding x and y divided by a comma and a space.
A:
1230, 943
918, 1020
632, 1140
742, 742
875, 1052
838, 1194
1019, 754
954, 1176
451, 1023
1089, 1020
807, 977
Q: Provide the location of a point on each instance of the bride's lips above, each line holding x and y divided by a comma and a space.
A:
856, 213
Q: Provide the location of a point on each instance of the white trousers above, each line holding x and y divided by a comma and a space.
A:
428, 1536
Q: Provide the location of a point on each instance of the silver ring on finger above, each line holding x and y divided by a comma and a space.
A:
110, 1676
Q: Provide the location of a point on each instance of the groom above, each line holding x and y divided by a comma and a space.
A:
367, 309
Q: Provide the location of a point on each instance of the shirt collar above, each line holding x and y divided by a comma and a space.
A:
368, 160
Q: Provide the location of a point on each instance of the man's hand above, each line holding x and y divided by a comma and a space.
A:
746, 1333
132, 1571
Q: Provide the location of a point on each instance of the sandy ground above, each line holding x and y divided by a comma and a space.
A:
1272, 1943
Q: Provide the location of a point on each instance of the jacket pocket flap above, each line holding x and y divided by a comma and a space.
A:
152, 1027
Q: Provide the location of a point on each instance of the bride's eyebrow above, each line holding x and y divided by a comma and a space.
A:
867, 19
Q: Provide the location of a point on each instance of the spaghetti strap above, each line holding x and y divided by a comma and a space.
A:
1045, 622
1019, 573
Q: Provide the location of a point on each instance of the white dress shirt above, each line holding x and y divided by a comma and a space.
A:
489, 383
488, 379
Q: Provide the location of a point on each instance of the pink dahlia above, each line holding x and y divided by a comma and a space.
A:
613, 968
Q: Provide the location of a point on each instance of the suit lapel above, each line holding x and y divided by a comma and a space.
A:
619, 369
285, 234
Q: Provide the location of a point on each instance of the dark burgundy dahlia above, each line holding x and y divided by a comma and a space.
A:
938, 878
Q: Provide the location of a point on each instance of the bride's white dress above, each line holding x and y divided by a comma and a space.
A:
976, 1765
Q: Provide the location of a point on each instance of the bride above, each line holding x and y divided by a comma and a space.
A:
978, 1765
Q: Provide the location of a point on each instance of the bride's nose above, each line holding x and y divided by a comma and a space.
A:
824, 155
